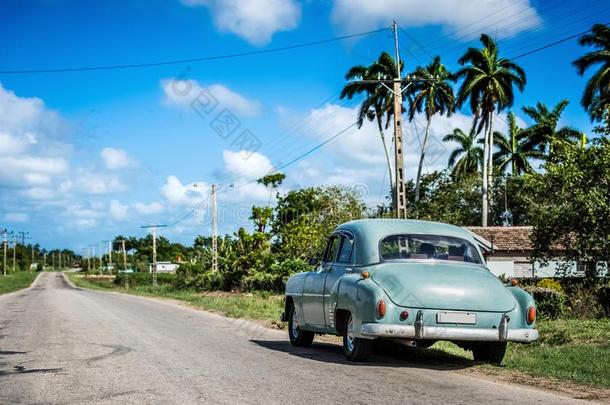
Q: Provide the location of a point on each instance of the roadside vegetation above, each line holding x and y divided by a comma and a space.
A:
16, 281
547, 175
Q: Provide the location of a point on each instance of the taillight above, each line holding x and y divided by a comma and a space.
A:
404, 315
531, 315
381, 308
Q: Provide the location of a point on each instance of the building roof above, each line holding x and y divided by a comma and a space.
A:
506, 238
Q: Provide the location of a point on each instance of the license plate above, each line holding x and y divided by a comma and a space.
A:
456, 317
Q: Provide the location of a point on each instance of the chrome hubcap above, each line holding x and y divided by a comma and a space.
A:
295, 324
350, 335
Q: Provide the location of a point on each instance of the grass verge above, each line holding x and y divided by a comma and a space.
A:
575, 351
16, 281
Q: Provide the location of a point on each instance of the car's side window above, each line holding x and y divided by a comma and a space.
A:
332, 248
347, 247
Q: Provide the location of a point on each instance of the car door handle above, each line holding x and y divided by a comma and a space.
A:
327, 268
349, 270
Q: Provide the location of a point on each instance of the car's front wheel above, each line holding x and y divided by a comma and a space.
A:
355, 349
298, 337
489, 352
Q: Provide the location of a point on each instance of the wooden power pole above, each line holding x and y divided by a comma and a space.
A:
153, 229
214, 231
400, 193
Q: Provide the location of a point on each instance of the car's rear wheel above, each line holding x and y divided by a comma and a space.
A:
298, 336
355, 349
489, 352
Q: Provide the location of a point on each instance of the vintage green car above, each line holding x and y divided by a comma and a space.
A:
414, 282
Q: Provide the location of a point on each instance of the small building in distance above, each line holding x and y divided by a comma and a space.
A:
509, 251
164, 267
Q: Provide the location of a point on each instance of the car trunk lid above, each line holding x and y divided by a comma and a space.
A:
440, 285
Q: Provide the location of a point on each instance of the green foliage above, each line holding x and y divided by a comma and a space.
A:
447, 200
305, 217
569, 205
603, 295
144, 278
550, 303
16, 281
596, 97
550, 283
582, 300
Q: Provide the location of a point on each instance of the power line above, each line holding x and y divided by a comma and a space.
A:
191, 60
551, 44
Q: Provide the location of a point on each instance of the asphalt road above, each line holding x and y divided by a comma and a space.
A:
60, 345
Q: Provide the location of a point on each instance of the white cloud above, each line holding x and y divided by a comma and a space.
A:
184, 91
149, 209
117, 210
246, 164
356, 15
362, 148
177, 193
115, 158
92, 182
253, 20
19, 217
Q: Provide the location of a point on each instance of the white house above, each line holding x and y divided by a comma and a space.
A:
164, 267
512, 250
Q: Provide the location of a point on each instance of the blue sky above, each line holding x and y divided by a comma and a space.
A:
87, 155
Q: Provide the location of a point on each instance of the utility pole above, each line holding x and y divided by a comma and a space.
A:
53, 261
125, 264
14, 251
4, 243
399, 85
109, 242
214, 231
400, 193
153, 229
92, 255
124, 254
32, 264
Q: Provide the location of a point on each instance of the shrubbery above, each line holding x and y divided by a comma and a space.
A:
143, 278
603, 294
550, 283
550, 303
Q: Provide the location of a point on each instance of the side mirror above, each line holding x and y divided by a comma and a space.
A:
313, 261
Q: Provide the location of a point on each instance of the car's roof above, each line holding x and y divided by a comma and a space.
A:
369, 232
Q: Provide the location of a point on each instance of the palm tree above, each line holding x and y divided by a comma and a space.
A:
596, 96
379, 100
515, 149
488, 84
432, 93
467, 157
544, 132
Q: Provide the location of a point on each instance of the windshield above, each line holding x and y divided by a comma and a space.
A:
421, 247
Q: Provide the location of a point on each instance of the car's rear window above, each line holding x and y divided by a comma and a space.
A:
422, 247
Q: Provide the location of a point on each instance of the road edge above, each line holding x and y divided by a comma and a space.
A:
23, 289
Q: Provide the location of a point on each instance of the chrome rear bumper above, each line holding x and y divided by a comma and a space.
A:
421, 331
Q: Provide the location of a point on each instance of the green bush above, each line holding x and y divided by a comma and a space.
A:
603, 296
259, 281
144, 278
550, 303
582, 299
550, 283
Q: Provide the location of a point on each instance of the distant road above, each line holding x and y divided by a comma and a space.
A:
60, 345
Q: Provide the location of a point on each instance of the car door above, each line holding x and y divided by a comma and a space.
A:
313, 289
342, 264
